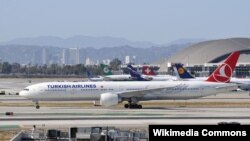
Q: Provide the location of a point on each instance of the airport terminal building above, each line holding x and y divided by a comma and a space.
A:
202, 59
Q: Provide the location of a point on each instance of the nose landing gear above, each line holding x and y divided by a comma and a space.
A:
37, 105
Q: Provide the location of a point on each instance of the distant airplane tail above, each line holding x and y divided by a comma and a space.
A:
131, 67
147, 70
182, 72
106, 69
132, 71
134, 74
92, 78
89, 74
224, 72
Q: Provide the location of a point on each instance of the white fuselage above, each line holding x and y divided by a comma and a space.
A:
122, 77
162, 90
161, 77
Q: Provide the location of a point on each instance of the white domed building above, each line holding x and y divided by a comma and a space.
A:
202, 58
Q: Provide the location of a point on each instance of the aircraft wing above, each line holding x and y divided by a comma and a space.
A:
139, 93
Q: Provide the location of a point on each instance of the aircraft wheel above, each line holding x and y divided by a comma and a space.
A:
139, 106
135, 106
131, 106
37, 107
126, 106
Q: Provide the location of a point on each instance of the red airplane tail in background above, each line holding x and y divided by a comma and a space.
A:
146, 70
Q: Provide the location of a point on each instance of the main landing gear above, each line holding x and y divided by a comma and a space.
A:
133, 104
37, 105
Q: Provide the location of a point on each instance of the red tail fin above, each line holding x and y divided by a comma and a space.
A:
147, 71
224, 72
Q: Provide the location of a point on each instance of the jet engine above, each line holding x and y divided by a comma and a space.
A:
109, 99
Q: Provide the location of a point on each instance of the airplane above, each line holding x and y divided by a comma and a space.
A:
108, 75
111, 93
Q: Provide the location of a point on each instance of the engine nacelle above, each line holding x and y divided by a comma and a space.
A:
109, 99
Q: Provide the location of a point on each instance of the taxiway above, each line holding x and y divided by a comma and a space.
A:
65, 116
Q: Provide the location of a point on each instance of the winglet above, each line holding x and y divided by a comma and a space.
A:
224, 72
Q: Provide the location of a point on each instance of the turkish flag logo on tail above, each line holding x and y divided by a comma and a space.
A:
225, 71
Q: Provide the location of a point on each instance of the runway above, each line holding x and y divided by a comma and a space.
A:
65, 116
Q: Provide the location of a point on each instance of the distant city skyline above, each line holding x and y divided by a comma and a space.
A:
158, 22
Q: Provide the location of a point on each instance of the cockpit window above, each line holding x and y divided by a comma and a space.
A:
26, 89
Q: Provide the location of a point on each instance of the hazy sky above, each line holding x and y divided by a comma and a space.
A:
158, 21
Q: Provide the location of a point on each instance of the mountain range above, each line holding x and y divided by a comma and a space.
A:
49, 49
27, 54
81, 41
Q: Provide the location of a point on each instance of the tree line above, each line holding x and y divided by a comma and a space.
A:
29, 70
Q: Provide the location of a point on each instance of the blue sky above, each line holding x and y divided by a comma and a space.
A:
158, 21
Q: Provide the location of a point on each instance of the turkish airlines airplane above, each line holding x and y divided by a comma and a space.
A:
111, 93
